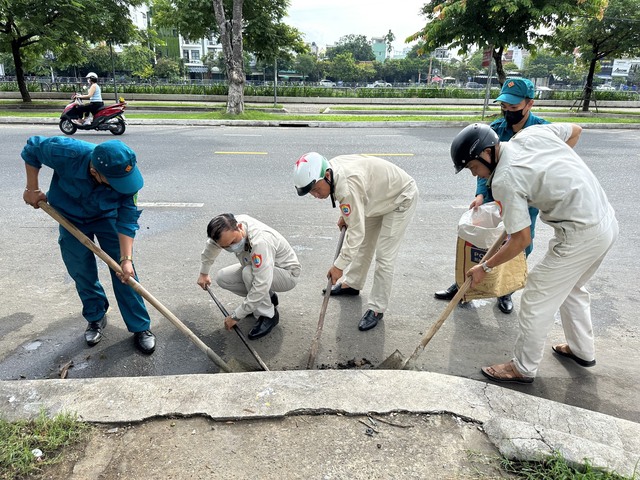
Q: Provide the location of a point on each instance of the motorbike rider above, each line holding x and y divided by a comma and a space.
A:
94, 95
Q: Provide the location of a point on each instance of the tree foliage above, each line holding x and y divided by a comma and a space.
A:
307, 65
167, 68
614, 34
255, 26
545, 63
33, 27
497, 24
138, 60
357, 45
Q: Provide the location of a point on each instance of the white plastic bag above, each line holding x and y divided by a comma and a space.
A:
481, 226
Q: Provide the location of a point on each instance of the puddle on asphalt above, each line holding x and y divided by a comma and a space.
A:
33, 345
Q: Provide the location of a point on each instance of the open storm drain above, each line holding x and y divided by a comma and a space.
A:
357, 364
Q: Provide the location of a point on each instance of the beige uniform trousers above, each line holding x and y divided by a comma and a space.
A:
383, 235
558, 282
238, 279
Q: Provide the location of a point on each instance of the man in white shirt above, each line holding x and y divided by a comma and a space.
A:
377, 201
539, 168
267, 264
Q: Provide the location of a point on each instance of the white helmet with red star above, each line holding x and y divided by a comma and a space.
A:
309, 168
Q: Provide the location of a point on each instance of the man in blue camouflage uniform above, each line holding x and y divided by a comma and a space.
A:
95, 187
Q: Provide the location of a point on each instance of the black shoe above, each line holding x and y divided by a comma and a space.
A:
264, 325
274, 298
338, 290
505, 304
447, 294
145, 341
93, 333
369, 320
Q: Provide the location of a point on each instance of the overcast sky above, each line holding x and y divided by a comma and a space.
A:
325, 21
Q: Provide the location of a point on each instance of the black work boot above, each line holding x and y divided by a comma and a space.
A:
338, 289
145, 341
274, 298
447, 294
505, 304
369, 320
93, 333
264, 325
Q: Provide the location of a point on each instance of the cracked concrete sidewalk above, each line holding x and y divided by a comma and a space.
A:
519, 425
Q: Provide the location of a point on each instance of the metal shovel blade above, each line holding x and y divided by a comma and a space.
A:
395, 361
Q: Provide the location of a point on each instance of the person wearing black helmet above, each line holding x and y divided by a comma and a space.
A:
516, 101
377, 200
94, 95
539, 168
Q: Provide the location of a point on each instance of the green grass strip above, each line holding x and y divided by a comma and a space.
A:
557, 467
259, 115
49, 435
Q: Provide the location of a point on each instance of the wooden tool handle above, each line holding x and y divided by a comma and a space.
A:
323, 310
462, 290
73, 230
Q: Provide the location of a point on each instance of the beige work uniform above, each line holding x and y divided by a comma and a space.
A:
267, 263
537, 168
377, 200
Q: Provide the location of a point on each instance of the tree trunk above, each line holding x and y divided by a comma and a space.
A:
497, 57
588, 88
231, 40
17, 61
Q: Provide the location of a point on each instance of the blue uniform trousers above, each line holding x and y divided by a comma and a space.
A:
81, 265
533, 213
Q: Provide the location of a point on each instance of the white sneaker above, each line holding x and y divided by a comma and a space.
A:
87, 121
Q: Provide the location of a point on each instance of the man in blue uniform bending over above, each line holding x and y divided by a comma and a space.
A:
95, 187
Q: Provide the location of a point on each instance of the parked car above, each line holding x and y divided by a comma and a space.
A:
327, 83
473, 85
606, 88
378, 84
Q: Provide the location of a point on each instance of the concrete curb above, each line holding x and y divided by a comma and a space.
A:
299, 123
520, 425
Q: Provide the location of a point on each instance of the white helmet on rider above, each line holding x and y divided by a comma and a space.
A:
92, 76
309, 168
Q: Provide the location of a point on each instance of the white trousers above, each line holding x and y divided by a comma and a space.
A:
382, 236
558, 282
239, 279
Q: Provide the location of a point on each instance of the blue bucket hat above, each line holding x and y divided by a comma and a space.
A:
516, 90
117, 162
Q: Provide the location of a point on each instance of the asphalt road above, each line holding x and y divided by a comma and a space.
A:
194, 173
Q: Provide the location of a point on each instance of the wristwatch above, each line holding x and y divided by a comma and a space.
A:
486, 268
233, 315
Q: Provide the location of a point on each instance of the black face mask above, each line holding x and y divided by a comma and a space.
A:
512, 117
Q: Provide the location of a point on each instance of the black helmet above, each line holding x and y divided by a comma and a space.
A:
470, 143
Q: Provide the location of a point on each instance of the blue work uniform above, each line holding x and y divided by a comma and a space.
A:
99, 212
505, 132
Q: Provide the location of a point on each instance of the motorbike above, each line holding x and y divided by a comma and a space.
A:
109, 117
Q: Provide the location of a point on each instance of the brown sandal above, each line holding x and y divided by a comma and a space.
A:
563, 350
505, 373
